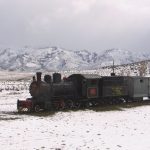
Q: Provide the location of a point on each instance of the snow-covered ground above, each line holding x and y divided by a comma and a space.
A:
122, 129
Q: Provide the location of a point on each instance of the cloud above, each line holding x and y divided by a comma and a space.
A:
76, 24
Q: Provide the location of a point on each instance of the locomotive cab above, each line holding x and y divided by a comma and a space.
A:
87, 85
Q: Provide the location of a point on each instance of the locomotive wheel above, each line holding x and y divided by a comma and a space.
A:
94, 103
37, 108
88, 104
62, 105
70, 104
56, 106
77, 105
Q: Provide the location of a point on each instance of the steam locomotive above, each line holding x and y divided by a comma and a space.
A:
82, 90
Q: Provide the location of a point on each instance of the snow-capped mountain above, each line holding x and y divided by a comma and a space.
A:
120, 57
58, 59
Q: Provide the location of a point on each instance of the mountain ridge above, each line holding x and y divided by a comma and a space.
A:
58, 59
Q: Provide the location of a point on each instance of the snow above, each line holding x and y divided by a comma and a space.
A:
59, 59
117, 129
121, 129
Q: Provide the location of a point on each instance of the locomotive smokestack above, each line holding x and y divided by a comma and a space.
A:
34, 78
38, 76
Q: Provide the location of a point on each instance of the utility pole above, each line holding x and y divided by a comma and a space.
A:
113, 69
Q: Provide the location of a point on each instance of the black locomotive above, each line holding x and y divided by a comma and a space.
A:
82, 90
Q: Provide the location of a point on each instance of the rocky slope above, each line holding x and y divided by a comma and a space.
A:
58, 59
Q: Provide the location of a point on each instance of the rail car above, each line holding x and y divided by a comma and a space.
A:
82, 90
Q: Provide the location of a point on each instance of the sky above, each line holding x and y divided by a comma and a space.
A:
76, 24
